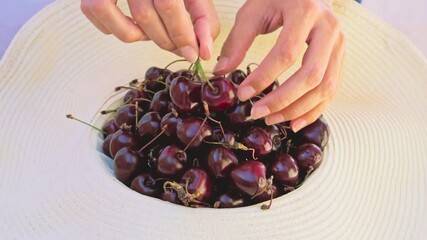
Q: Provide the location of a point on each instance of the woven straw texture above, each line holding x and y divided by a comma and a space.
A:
55, 184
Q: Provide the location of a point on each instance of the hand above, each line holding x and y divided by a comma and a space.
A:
304, 96
174, 25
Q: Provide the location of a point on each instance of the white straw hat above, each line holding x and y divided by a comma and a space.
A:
55, 184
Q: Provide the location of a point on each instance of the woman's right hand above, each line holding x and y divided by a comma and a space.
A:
184, 27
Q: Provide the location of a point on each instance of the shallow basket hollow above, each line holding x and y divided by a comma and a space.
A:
54, 184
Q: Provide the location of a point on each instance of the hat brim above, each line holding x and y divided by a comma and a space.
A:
55, 184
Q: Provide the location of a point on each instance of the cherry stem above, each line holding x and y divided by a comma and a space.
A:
142, 99
198, 69
155, 181
152, 140
149, 91
158, 81
90, 125
288, 145
117, 109
124, 87
238, 146
195, 135
248, 68
265, 206
179, 60
183, 195
136, 114
285, 134
208, 115
191, 65
196, 162
133, 82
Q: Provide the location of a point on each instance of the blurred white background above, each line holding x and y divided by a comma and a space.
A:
409, 16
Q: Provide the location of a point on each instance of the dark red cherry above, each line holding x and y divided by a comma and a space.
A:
140, 96
149, 126
285, 169
185, 94
160, 102
272, 87
220, 161
106, 145
171, 162
240, 115
188, 129
170, 196
125, 164
308, 155
153, 78
258, 139
110, 127
127, 115
153, 73
220, 94
275, 136
229, 137
198, 183
317, 133
122, 138
145, 184
230, 200
249, 177
237, 76
169, 123
183, 72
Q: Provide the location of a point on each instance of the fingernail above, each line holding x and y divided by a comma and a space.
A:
259, 111
188, 53
221, 64
273, 119
246, 92
298, 125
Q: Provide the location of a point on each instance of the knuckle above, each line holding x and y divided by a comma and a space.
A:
165, 5
262, 80
181, 38
166, 45
129, 37
283, 101
332, 21
314, 76
99, 8
295, 113
286, 55
310, 6
329, 88
142, 15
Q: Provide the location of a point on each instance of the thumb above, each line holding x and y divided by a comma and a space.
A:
239, 40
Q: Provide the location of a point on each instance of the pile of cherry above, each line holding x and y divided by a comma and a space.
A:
187, 139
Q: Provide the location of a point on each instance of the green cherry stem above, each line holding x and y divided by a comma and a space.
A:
90, 125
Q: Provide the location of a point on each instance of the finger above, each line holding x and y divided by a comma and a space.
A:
115, 21
179, 27
241, 37
206, 24
309, 117
85, 8
310, 75
323, 92
145, 15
